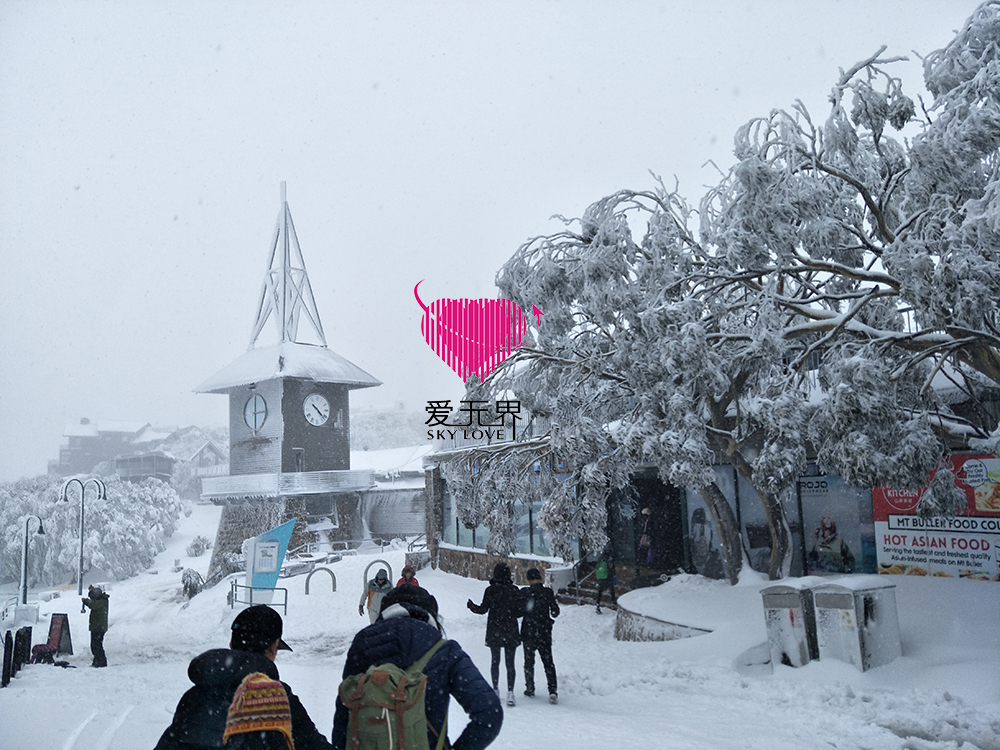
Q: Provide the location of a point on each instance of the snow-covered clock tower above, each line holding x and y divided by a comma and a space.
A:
289, 415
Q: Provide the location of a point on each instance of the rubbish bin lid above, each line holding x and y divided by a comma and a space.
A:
793, 585
851, 584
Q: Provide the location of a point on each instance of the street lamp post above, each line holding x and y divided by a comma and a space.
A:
24, 556
102, 493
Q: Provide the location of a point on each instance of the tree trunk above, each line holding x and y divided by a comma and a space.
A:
777, 524
729, 530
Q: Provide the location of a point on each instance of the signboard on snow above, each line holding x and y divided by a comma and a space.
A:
965, 546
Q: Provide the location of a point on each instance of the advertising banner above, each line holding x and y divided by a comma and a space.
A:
264, 560
965, 546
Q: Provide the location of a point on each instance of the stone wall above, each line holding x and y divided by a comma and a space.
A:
631, 626
478, 564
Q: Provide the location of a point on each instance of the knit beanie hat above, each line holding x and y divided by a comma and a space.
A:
259, 705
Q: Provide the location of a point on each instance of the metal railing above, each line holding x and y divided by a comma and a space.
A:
288, 483
9, 606
234, 589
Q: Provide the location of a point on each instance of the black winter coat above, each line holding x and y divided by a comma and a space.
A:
503, 603
402, 641
200, 718
540, 606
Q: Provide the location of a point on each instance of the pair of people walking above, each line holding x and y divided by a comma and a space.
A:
535, 605
239, 702
378, 587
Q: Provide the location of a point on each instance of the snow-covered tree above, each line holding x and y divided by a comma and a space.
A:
837, 279
122, 533
878, 259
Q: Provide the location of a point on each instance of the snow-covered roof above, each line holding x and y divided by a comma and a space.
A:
92, 428
152, 434
191, 454
288, 360
392, 460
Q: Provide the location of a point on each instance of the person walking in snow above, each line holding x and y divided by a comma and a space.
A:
604, 573
502, 603
408, 576
97, 601
201, 715
371, 597
540, 607
406, 631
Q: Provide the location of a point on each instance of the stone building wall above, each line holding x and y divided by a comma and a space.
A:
478, 564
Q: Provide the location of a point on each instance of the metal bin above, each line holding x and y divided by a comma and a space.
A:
856, 621
791, 624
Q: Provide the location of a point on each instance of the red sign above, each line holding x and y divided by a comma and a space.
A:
964, 546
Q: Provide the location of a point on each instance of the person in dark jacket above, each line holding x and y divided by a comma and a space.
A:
502, 602
540, 606
200, 717
406, 630
97, 601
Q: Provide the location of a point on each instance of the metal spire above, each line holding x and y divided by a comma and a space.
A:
286, 291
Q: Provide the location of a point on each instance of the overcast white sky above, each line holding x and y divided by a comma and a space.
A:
142, 146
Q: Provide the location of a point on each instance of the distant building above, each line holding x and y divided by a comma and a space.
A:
90, 443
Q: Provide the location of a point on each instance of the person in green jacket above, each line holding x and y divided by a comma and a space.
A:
98, 603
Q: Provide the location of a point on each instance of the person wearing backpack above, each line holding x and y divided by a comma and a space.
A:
540, 607
201, 715
604, 573
377, 588
407, 641
502, 602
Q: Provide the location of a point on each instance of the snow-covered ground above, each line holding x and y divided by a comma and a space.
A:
712, 691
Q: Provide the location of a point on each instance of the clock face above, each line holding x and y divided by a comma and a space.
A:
316, 409
255, 412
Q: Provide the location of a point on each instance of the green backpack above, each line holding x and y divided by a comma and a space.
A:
387, 707
601, 572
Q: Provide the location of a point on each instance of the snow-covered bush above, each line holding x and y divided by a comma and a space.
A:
198, 546
192, 582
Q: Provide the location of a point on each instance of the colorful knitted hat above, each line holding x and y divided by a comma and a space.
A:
259, 705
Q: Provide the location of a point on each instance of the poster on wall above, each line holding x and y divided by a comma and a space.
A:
965, 546
836, 535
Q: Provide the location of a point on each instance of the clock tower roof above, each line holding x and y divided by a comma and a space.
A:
288, 360
286, 297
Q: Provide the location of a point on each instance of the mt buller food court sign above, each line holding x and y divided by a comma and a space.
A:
963, 546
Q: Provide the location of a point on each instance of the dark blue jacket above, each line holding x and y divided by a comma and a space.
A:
402, 641
540, 606
200, 718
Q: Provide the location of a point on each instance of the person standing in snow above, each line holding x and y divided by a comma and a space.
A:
407, 629
97, 601
502, 602
409, 576
201, 715
371, 597
645, 540
540, 607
